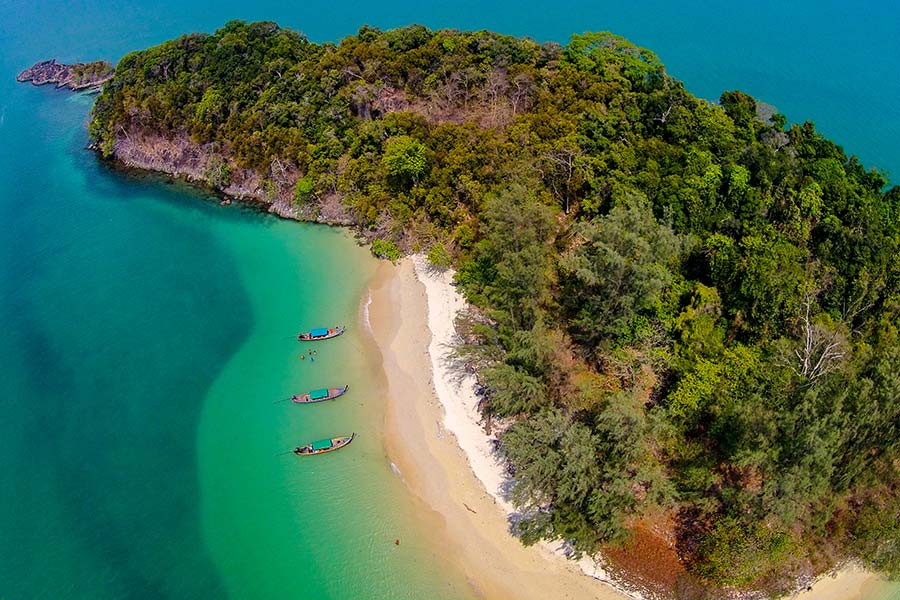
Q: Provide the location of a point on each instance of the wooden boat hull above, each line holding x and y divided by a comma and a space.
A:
332, 394
330, 333
336, 444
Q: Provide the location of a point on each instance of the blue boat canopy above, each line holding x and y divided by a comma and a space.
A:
321, 332
322, 444
318, 394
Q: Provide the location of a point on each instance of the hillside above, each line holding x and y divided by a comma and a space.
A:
686, 313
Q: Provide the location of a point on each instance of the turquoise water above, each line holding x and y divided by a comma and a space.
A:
144, 324
147, 336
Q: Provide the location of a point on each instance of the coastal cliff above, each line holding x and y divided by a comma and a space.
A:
180, 156
78, 76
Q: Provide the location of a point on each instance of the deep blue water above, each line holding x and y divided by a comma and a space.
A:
103, 277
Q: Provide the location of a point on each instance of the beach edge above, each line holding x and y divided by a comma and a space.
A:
435, 442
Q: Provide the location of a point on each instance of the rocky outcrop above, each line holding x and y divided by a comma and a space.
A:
179, 156
78, 76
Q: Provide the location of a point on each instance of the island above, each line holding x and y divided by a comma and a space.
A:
683, 315
77, 76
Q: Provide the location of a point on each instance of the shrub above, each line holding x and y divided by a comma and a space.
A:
385, 249
304, 190
439, 257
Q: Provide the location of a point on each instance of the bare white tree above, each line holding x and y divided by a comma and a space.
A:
665, 114
563, 162
522, 92
821, 350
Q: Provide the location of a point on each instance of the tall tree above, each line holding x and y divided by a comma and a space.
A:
617, 268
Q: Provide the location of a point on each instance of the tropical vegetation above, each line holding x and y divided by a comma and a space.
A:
685, 312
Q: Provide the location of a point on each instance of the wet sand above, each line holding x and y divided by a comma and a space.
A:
475, 529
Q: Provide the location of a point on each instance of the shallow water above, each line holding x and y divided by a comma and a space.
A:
148, 336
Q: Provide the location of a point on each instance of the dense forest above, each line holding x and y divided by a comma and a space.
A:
686, 313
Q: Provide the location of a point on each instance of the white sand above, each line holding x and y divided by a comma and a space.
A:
456, 392
468, 526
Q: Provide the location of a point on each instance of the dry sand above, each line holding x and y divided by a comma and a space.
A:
434, 440
850, 583
475, 533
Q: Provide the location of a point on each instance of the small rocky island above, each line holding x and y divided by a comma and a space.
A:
78, 76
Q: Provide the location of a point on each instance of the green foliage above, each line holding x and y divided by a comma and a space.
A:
439, 257
713, 382
683, 306
405, 158
514, 391
876, 530
617, 271
513, 259
697, 329
734, 555
611, 55
593, 474
741, 108
304, 190
386, 249
90, 73
218, 174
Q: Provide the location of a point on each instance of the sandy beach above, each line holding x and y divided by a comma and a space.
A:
437, 471
850, 583
435, 442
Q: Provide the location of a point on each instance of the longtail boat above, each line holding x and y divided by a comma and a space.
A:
320, 395
323, 446
322, 333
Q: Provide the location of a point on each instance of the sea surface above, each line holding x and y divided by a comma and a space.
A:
146, 329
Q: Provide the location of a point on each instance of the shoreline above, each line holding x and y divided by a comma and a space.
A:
453, 405
456, 393
425, 451
435, 443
